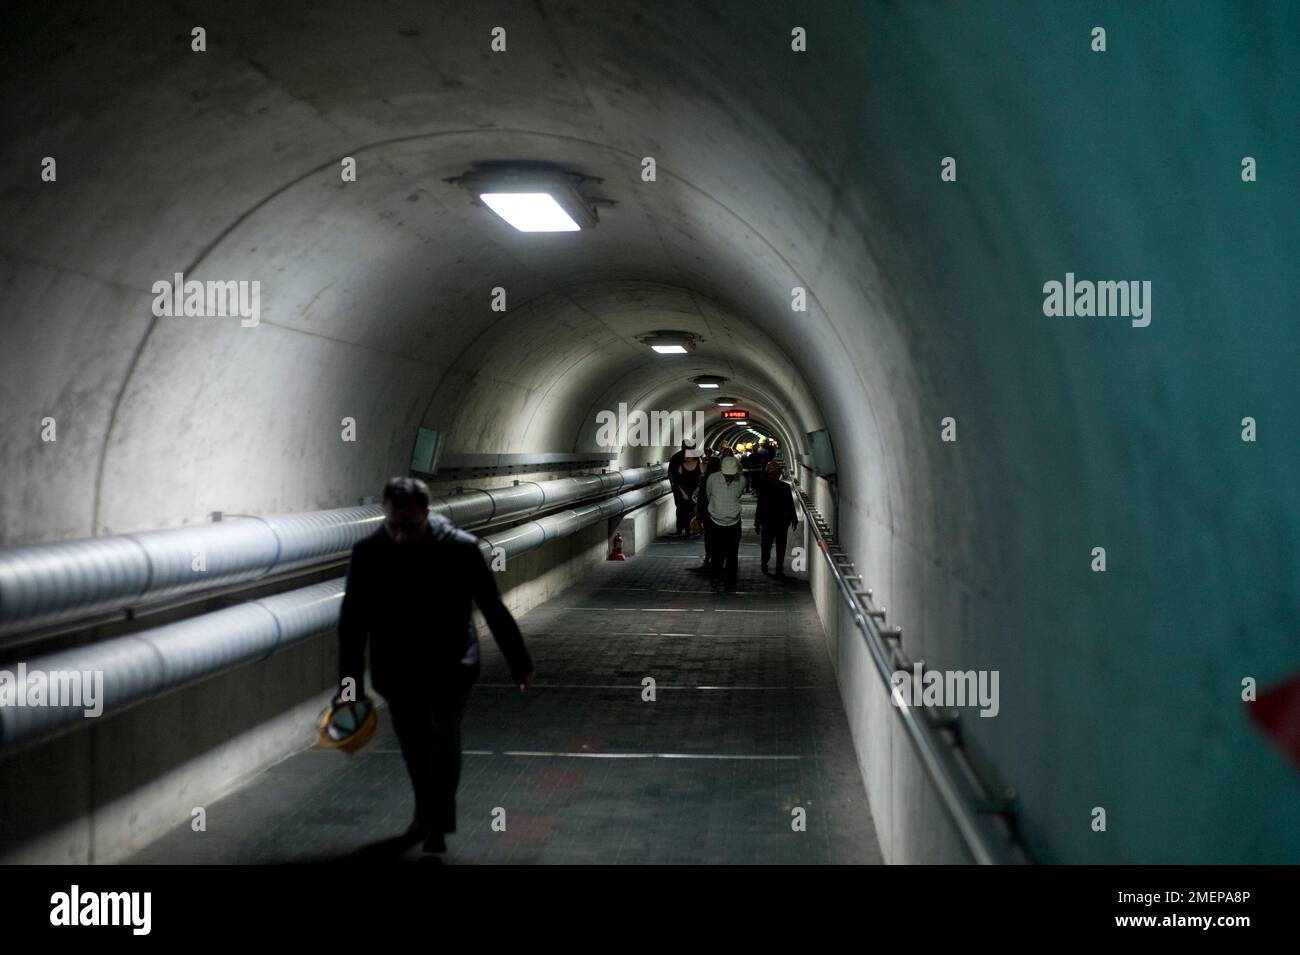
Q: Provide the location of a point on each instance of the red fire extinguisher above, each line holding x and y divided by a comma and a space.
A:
616, 548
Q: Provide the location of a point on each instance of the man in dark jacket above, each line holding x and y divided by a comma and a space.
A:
409, 590
681, 493
773, 514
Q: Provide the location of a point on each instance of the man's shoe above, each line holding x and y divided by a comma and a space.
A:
765, 570
415, 832
435, 843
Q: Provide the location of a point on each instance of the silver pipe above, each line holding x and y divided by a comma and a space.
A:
143, 665
50, 583
530, 534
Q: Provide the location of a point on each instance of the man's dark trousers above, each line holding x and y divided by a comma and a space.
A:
710, 534
726, 552
775, 534
427, 722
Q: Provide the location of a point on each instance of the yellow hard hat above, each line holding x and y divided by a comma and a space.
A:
347, 725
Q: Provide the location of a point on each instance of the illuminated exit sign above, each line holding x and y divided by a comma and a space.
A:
734, 414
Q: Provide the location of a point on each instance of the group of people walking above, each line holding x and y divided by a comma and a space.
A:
707, 489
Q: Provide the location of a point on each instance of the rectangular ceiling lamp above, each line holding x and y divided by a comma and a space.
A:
531, 196
530, 211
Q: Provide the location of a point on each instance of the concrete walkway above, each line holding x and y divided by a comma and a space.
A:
745, 727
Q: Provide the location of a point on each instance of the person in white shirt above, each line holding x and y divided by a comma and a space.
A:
724, 490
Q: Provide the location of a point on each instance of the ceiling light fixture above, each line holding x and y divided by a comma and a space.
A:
533, 196
726, 402
709, 381
530, 211
670, 343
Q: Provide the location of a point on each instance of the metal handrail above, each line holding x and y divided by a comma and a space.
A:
984, 813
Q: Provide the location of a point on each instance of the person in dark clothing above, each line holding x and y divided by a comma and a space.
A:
409, 592
678, 456
712, 466
683, 482
688, 479
774, 513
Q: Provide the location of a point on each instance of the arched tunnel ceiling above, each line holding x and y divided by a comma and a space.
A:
375, 294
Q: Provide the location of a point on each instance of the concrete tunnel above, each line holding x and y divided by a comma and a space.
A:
877, 307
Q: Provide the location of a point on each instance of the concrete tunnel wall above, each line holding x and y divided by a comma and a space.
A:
775, 169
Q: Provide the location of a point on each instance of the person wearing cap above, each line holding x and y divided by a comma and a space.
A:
774, 513
409, 594
724, 490
683, 481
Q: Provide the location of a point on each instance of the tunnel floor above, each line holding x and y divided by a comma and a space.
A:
746, 727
